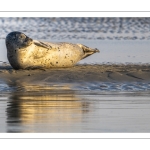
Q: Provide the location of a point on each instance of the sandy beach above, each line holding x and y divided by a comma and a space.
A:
79, 73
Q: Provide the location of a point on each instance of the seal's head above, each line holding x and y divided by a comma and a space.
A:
17, 40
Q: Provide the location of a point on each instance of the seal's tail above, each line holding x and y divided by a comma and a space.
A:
88, 51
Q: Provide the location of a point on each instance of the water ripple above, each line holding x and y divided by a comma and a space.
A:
115, 86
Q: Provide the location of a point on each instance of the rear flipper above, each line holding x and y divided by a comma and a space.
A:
87, 50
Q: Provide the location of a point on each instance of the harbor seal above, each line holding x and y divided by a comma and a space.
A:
26, 53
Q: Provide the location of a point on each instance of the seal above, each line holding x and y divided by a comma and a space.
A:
26, 53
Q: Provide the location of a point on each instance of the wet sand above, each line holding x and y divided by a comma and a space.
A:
79, 73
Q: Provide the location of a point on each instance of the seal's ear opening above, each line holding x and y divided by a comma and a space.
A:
41, 44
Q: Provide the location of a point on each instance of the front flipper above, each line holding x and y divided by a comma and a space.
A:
41, 44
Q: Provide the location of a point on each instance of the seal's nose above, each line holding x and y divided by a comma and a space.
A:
28, 39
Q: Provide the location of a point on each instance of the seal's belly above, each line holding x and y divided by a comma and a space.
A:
48, 58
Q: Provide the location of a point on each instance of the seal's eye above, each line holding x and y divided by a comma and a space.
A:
22, 36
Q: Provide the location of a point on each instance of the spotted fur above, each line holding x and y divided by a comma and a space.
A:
26, 53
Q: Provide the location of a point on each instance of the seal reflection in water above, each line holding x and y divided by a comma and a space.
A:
26, 53
45, 108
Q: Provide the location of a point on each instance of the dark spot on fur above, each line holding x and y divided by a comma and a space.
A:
56, 62
51, 63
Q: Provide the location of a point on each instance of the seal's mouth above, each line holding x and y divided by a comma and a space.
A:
28, 41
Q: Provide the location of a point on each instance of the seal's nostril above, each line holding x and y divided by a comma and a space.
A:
28, 39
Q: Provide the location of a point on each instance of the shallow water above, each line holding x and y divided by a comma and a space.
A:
81, 107
75, 108
64, 109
